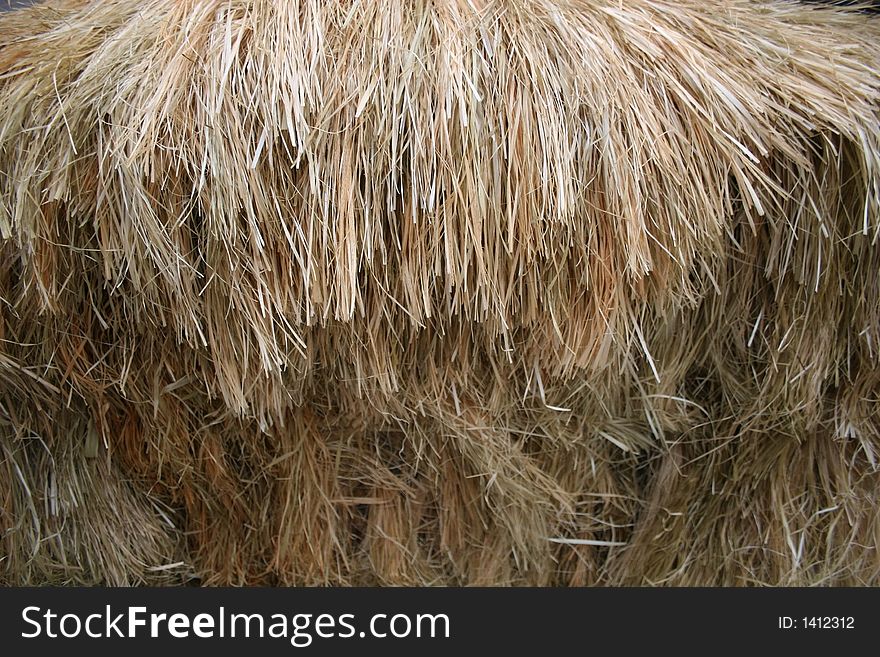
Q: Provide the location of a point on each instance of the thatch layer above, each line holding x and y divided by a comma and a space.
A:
521, 291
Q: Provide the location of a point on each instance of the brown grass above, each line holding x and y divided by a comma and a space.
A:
449, 292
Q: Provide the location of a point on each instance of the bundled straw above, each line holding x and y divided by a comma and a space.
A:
439, 292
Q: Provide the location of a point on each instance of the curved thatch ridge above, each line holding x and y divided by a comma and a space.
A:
526, 291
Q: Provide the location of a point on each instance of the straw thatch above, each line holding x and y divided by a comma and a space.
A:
439, 291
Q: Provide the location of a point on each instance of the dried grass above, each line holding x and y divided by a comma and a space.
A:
448, 292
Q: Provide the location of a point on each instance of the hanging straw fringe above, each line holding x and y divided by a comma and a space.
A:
447, 292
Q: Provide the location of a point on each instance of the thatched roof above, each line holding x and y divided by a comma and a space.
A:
526, 291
